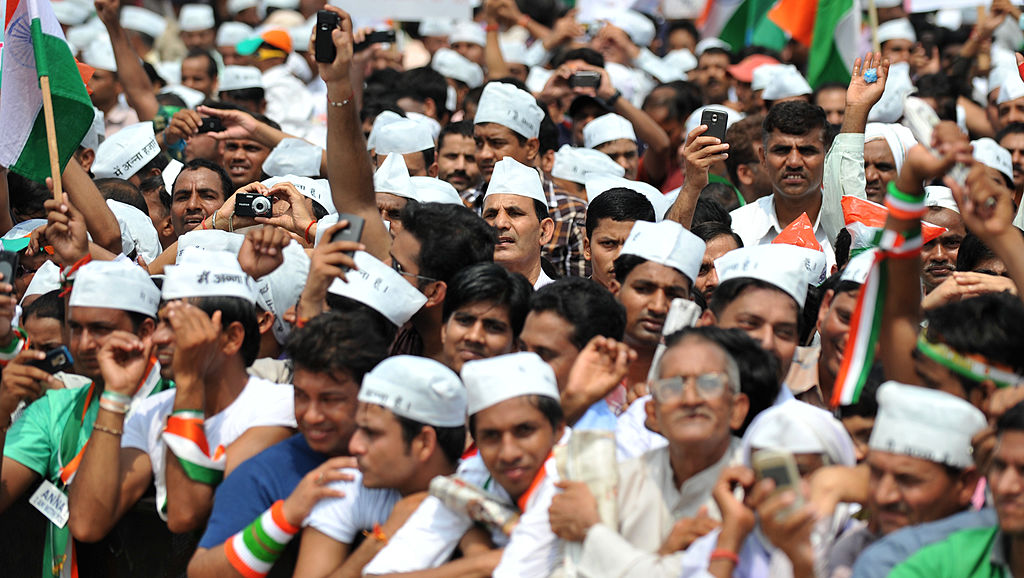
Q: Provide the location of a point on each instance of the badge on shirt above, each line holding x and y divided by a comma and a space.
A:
52, 502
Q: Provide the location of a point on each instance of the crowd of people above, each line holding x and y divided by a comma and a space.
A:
533, 294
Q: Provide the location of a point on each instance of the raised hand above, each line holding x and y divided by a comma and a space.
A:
986, 203
292, 211
237, 123
598, 369
263, 251
123, 360
338, 70
196, 342
23, 382
687, 530
698, 154
862, 93
65, 230
109, 12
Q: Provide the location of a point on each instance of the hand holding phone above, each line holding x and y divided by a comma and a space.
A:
324, 49
353, 232
717, 121
780, 467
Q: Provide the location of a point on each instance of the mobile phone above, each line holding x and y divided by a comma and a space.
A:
8, 266
56, 360
716, 121
211, 124
353, 232
324, 49
585, 79
779, 466
375, 37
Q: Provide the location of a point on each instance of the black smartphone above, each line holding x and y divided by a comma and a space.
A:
211, 124
375, 37
8, 266
585, 79
353, 232
56, 360
324, 49
716, 121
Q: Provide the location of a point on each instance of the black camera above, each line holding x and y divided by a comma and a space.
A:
323, 48
253, 205
585, 79
211, 124
58, 359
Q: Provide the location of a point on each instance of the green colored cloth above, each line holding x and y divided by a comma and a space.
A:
964, 554
34, 440
713, 178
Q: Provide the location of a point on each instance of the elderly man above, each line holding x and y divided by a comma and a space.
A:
696, 404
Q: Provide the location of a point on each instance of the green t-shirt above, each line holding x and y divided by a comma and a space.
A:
964, 554
34, 441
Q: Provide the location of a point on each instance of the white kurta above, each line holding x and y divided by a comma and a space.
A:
649, 505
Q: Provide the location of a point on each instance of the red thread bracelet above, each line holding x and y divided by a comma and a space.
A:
722, 554
305, 234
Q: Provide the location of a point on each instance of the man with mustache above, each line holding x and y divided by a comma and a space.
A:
696, 403
1011, 138
938, 257
456, 159
658, 263
793, 156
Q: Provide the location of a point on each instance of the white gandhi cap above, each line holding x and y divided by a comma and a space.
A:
239, 78
231, 33
666, 243
402, 136
787, 267
785, 82
510, 177
453, 65
899, 29
606, 128
97, 281
293, 156
431, 190
497, 379
127, 151
393, 177
381, 288
318, 190
141, 20
579, 164
416, 388
925, 423
989, 153
195, 17
939, 196
200, 273
510, 107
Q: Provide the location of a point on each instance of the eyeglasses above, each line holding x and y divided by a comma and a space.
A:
707, 385
398, 269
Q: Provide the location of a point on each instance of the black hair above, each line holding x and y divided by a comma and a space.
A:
618, 204
688, 98
451, 238
758, 368
842, 247
373, 320
422, 83
709, 230
728, 291
584, 304
235, 309
46, 306
1012, 420
793, 117
253, 94
170, 99
709, 209
473, 96
1012, 128
211, 64
588, 55
827, 86
741, 137
624, 265
122, 191
26, 197
227, 189
941, 88
547, 136
372, 107
724, 194
549, 407
712, 50
490, 283
973, 251
348, 342
461, 128
687, 25
990, 325
451, 440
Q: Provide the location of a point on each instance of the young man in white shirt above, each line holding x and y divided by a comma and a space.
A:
216, 417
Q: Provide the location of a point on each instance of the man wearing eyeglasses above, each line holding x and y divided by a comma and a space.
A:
696, 404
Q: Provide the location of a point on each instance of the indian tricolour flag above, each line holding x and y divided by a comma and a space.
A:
34, 46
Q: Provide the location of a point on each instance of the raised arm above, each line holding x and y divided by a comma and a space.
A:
901, 319
99, 219
348, 166
138, 90
699, 153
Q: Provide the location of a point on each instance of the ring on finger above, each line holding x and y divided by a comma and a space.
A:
321, 479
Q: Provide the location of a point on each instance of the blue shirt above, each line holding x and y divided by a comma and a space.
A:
255, 485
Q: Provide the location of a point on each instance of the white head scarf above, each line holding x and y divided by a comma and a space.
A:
898, 137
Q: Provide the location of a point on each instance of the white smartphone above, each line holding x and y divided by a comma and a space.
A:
779, 466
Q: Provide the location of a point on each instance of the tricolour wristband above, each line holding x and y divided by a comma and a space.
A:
253, 551
903, 205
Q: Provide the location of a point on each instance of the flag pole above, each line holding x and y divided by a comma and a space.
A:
51, 138
873, 23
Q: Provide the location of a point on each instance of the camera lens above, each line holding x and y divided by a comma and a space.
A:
261, 205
